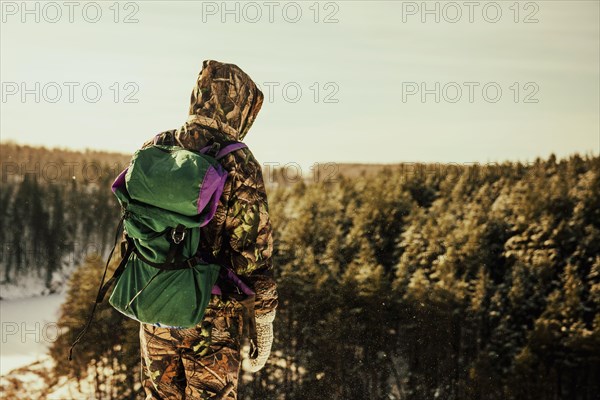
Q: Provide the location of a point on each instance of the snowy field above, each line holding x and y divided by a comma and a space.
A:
29, 326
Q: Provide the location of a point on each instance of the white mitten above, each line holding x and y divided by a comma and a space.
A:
264, 338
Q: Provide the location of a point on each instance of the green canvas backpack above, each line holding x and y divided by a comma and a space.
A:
167, 194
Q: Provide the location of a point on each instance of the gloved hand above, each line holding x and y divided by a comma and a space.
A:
264, 338
266, 302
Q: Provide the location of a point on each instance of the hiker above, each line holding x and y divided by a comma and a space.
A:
204, 362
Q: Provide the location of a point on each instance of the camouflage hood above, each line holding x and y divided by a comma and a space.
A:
225, 99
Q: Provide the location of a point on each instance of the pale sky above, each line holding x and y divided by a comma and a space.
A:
374, 58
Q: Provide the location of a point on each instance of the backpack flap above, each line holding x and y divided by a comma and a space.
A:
167, 177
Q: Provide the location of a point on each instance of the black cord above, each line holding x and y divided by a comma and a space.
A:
91, 317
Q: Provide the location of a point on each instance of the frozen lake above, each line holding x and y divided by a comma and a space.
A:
28, 327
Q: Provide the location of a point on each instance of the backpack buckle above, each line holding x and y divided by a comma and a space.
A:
178, 234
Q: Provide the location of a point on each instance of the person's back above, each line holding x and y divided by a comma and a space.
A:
204, 362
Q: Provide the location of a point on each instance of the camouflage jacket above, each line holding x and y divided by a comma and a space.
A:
224, 104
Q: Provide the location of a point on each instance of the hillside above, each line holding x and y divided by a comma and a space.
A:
470, 283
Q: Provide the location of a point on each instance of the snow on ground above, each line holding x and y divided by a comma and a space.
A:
29, 326
37, 382
69, 389
27, 287
30, 382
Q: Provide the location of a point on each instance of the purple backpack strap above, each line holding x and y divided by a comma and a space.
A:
225, 150
229, 275
232, 276
229, 149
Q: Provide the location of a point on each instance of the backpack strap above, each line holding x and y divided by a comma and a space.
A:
214, 149
118, 271
171, 266
249, 316
103, 288
229, 149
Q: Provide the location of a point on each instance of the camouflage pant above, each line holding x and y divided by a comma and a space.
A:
196, 363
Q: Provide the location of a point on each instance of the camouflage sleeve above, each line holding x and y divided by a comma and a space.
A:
248, 227
249, 234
